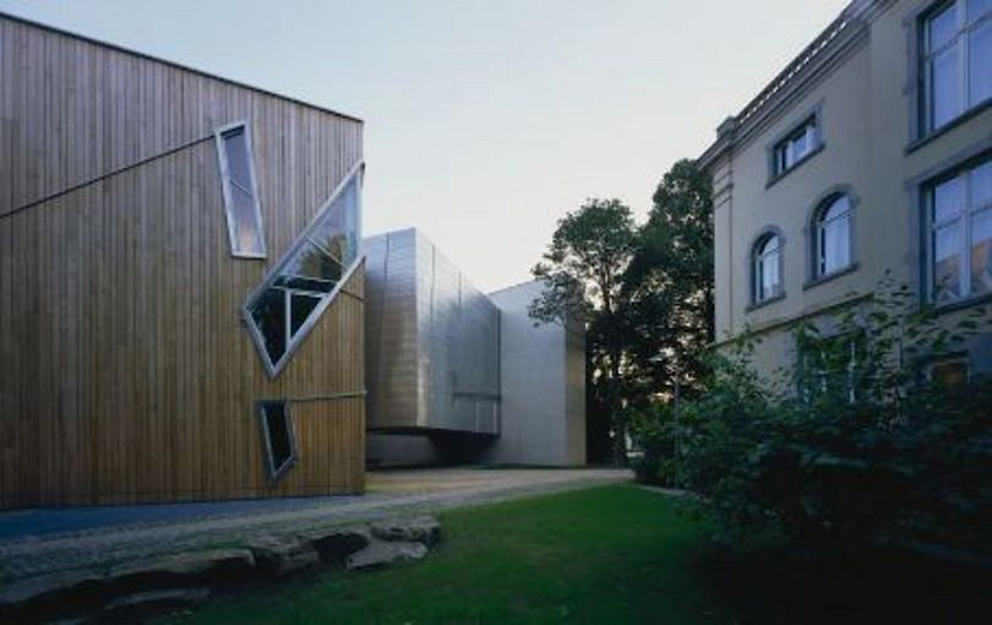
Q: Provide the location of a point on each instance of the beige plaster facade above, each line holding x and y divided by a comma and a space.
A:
859, 81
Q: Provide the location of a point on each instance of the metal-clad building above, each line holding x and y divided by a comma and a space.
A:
456, 375
432, 341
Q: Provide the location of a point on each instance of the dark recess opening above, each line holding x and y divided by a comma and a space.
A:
277, 432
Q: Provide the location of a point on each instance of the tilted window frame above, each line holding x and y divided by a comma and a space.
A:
275, 473
225, 182
274, 368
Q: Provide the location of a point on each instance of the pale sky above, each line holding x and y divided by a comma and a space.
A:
485, 120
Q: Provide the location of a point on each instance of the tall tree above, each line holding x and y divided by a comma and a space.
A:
583, 271
669, 286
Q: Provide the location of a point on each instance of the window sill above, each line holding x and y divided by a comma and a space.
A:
774, 179
963, 303
765, 302
813, 282
968, 115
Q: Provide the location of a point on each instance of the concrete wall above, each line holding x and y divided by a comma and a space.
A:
542, 386
864, 85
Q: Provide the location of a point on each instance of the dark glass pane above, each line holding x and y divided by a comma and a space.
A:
300, 307
981, 252
981, 185
950, 374
269, 313
278, 430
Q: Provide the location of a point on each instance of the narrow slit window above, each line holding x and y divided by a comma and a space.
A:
832, 236
277, 434
237, 172
767, 268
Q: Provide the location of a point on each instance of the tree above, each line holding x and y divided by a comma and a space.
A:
583, 271
669, 287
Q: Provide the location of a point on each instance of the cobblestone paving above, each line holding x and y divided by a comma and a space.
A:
114, 538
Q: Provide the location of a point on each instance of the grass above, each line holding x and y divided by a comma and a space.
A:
613, 554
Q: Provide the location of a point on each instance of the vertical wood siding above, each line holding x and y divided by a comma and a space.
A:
126, 374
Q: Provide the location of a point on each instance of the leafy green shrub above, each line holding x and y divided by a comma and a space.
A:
653, 432
852, 446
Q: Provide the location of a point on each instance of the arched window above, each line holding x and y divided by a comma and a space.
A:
767, 267
832, 236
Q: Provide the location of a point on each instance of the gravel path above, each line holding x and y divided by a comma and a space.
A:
36, 542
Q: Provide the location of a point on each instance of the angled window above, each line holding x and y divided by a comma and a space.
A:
279, 440
960, 224
799, 144
955, 58
832, 223
283, 309
237, 173
767, 268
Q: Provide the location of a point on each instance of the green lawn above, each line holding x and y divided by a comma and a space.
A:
614, 554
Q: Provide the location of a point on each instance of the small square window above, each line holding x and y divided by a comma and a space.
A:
798, 145
949, 374
278, 438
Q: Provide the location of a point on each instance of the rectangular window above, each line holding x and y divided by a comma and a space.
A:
277, 436
799, 144
960, 220
831, 366
283, 309
955, 60
951, 373
237, 172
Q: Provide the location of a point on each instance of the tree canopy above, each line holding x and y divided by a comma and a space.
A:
644, 292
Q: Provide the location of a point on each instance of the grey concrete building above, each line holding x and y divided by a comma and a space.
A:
454, 375
870, 153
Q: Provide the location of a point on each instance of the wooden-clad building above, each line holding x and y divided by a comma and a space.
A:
181, 294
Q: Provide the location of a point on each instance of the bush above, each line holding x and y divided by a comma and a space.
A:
653, 432
852, 447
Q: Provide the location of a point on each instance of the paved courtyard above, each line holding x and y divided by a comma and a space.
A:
34, 542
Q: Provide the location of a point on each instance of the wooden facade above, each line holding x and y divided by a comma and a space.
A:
127, 373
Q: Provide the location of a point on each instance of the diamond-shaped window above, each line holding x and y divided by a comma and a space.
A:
285, 307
